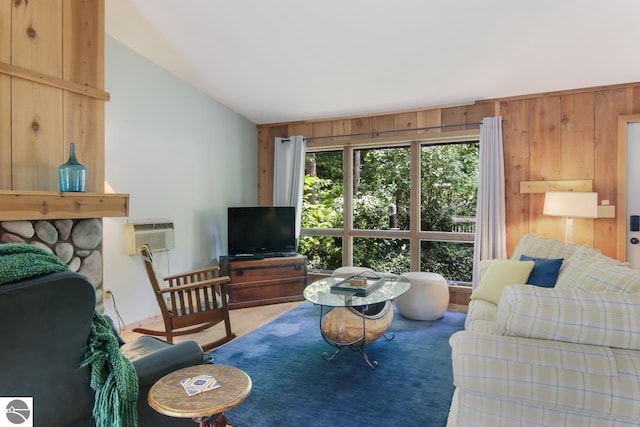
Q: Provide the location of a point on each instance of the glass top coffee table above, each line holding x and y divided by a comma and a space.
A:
350, 321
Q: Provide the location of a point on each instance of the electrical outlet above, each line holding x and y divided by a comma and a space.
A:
107, 293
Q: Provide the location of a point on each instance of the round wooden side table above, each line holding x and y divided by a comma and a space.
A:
168, 397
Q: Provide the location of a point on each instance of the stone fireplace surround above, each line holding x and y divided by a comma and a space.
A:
78, 243
69, 225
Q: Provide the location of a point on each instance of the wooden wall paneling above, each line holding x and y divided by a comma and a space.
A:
577, 136
301, 128
84, 125
545, 159
515, 141
635, 100
265, 166
83, 63
361, 125
477, 112
428, 119
609, 104
320, 135
37, 36
546, 138
5, 132
281, 131
36, 139
5, 96
453, 116
577, 151
629, 100
5, 30
322, 129
36, 136
405, 121
341, 127
83, 60
382, 124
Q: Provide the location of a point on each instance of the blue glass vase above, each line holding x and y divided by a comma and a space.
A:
72, 176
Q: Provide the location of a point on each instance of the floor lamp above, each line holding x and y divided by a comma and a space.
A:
570, 204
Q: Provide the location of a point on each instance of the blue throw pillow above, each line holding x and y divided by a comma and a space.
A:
545, 271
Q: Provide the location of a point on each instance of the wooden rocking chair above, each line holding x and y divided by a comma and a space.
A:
190, 302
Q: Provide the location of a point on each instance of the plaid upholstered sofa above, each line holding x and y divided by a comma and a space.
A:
563, 353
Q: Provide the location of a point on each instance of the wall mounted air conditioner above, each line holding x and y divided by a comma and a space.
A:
158, 234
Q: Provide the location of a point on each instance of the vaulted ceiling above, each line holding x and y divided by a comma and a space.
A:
285, 60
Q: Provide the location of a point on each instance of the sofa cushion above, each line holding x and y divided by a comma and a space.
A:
501, 273
610, 319
597, 256
545, 271
588, 270
540, 247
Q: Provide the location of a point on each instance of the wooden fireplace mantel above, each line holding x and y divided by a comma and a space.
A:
31, 205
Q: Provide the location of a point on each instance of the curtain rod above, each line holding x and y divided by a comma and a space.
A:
375, 133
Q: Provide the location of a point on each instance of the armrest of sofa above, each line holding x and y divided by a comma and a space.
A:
550, 374
610, 319
154, 358
481, 317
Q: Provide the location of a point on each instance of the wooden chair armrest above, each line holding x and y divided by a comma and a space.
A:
214, 268
201, 284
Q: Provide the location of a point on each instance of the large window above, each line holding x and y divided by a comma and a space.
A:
396, 207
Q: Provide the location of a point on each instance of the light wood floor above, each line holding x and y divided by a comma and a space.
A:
243, 321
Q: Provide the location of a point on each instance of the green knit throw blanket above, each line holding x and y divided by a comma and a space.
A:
21, 261
113, 377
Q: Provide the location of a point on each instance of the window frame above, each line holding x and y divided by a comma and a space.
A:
414, 234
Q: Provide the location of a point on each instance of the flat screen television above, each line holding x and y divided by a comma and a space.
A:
261, 231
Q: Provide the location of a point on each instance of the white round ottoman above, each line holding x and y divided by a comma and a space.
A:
426, 299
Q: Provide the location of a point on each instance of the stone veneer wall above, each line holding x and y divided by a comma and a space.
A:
78, 243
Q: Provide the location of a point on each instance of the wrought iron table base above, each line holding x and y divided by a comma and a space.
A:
356, 345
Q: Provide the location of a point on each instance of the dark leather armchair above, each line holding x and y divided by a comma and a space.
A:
44, 326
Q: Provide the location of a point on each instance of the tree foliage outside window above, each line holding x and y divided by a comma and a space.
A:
449, 191
382, 201
382, 180
449, 184
453, 260
390, 255
322, 207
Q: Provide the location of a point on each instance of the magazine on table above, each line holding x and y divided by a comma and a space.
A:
360, 285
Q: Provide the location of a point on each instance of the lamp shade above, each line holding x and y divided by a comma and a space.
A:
571, 204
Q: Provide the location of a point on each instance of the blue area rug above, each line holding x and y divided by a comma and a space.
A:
294, 386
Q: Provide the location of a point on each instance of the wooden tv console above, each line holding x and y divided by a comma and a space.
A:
264, 281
